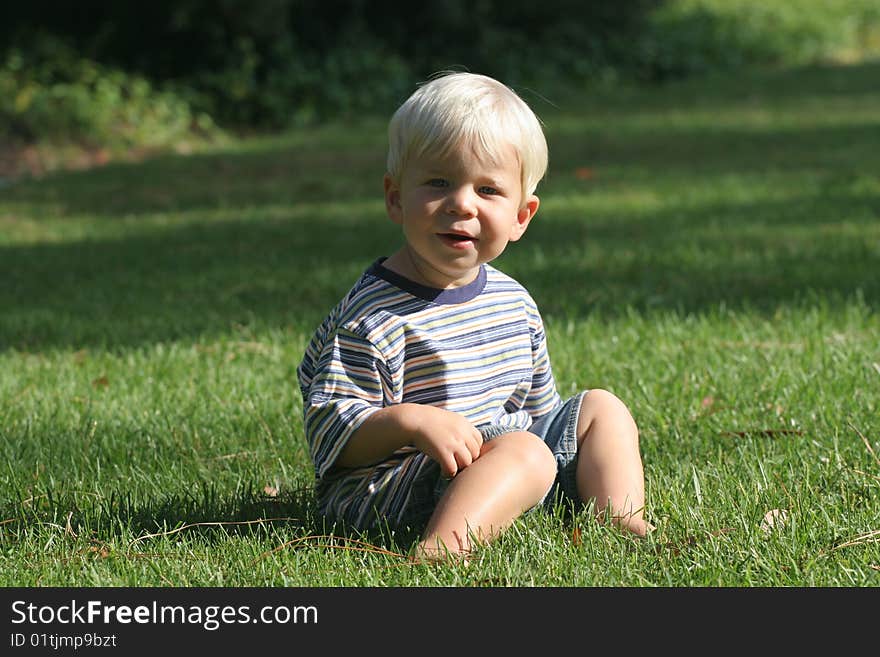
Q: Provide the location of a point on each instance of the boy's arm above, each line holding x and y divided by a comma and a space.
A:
543, 395
444, 436
349, 422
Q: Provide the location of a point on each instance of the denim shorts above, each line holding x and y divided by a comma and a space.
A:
558, 429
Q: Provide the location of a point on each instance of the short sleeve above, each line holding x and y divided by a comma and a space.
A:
345, 389
543, 396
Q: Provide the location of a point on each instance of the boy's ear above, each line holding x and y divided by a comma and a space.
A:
524, 216
392, 199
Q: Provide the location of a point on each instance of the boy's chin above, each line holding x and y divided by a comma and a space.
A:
452, 279
449, 277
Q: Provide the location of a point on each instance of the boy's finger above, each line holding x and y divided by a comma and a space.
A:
463, 458
475, 446
448, 467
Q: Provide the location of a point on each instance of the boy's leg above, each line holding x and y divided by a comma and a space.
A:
609, 467
511, 475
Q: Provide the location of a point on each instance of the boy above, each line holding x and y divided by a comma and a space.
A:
428, 394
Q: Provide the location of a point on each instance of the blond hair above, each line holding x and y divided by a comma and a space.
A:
455, 110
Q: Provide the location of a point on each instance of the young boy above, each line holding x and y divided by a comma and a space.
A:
429, 399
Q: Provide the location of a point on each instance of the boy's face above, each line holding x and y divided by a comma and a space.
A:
457, 213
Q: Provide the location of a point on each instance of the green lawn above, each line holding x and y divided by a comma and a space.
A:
709, 251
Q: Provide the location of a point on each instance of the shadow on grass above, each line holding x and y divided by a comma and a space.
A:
205, 280
211, 515
756, 255
191, 248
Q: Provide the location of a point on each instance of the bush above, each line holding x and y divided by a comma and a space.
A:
147, 74
288, 85
50, 93
276, 62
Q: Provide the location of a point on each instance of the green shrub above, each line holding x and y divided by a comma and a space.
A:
277, 62
290, 62
49, 93
285, 84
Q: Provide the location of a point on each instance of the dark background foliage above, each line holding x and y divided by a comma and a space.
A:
98, 75
262, 63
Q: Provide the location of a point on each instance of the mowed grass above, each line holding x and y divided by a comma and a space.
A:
709, 251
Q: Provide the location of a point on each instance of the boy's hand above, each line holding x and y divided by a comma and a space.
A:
446, 437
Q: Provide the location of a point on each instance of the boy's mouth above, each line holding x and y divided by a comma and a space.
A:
457, 240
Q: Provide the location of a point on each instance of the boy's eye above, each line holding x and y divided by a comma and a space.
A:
438, 182
485, 189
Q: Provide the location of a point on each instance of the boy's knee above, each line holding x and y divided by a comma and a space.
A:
601, 406
534, 458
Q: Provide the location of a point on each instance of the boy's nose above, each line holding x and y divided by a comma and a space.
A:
461, 202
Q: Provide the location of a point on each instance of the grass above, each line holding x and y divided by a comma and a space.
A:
707, 250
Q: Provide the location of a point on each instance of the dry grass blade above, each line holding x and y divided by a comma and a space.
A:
764, 433
785, 490
866, 474
211, 524
237, 455
865, 440
870, 537
68, 527
358, 546
676, 547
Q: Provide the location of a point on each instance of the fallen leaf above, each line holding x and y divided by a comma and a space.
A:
101, 382
774, 519
576, 536
722, 531
99, 550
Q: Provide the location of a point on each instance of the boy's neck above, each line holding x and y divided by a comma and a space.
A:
405, 263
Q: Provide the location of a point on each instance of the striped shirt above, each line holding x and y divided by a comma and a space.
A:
477, 350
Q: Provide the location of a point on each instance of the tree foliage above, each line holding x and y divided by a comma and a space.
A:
274, 61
